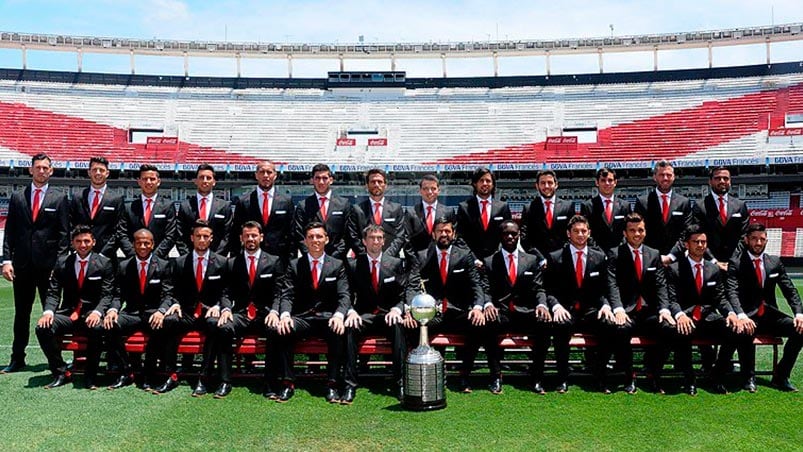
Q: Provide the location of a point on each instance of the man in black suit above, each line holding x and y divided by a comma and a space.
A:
753, 276
636, 288
151, 211
99, 208
315, 301
699, 307
666, 214
144, 282
450, 275
723, 217
199, 280
273, 211
421, 218
324, 207
544, 221
253, 302
377, 209
36, 233
577, 294
606, 212
204, 206
479, 217
81, 284
379, 284
519, 301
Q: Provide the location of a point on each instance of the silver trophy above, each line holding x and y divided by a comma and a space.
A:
424, 387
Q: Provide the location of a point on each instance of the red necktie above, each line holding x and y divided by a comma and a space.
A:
511, 269
374, 276
81, 275
548, 214
723, 213
760, 279
265, 208
430, 219
323, 208
147, 218
697, 314
252, 270
95, 205
202, 209
578, 269
315, 274
484, 214
665, 208
142, 277
444, 266
608, 211
36, 202
199, 274
378, 213
637, 263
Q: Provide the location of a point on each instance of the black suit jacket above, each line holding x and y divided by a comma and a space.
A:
463, 289
722, 239
392, 284
745, 294
624, 288
162, 225
336, 216
96, 292
561, 283
606, 235
104, 225
534, 233
481, 242
278, 238
683, 294
267, 283
220, 218
393, 219
332, 295
527, 293
158, 287
665, 237
418, 238
214, 291
35, 245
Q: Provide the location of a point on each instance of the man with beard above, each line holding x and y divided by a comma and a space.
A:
324, 207
606, 213
204, 206
479, 217
380, 211
723, 217
98, 208
544, 221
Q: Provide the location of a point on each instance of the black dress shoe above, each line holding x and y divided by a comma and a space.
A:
145, 386
631, 388
60, 380
13, 366
199, 390
783, 384
464, 385
285, 394
332, 396
603, 388
168, 386
496, 386
122, 382
89, 383
223, 390
348, 395
538, 389
750, 385
655, 386
269, 393
562, 388
690, 390
719, 388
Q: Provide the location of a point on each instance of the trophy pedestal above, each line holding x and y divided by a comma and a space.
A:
424, 380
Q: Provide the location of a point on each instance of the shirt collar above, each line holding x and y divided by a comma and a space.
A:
378, 258
320, 259
256, 254
43, 188
505, 254
434, 205
603, 198
147, 261
102, 189
575, 250
153, 198
716, 197
480, 200
753, 257
660, 193
639, 249
327, 195
270, 192
195, 255
693, 263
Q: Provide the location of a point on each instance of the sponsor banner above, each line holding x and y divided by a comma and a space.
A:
162, 141
377, 142
786, 219
795, 131
346, 142
561, 140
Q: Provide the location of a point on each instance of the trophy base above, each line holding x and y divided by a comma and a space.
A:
424, 380
417, 404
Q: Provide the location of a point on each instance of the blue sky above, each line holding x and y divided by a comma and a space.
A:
411, 20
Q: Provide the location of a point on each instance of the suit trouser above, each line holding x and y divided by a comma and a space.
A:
311, 326
173, 329
375, 324
221, 340
561, 333
26, 284
62, 324
618, 344
457, 322
128, 324
526, 323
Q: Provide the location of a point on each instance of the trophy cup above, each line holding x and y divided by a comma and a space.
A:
423, 373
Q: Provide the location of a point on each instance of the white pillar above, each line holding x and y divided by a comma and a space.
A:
655, 58
710, 55
443, 64
548, 65
599, 56
496, 64
186, 64
237, 59
24, 57
768, 50
289, 66
132, 61
80, 58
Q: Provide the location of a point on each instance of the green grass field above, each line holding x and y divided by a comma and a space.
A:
129, 419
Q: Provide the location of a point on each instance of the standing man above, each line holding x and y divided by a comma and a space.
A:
752, 278
81, 284
324, 207
666, 214
204, 206
315, 300
273, 211
723, 217
36, 233
421, 219
479, 217
606, 213
544, 222
98, 208
150, 211
380, 211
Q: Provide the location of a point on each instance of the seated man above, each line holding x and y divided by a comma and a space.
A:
80, 285
519, 301
314, 301
752, 279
